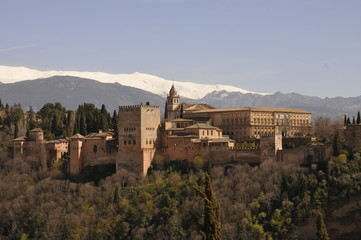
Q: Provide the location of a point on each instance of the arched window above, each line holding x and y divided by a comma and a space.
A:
95, 148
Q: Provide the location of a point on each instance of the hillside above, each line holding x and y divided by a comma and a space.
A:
72, 91
342, 218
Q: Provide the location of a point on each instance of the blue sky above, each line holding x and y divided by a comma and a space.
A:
312, 47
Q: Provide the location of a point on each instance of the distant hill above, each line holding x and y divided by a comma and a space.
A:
73, 91
331, 107
146, 82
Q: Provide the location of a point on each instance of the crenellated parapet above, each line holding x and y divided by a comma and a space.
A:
244, 148
138, 106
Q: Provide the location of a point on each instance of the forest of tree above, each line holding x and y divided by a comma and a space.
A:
176, 200
172, 202
56, 120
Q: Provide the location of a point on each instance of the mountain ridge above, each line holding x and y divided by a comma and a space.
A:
147, 82
73, 91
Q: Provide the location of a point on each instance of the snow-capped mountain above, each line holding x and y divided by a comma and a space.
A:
154, 84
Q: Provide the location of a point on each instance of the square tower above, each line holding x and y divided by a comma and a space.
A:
138, 137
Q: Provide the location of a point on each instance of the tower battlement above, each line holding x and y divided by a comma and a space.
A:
138, 106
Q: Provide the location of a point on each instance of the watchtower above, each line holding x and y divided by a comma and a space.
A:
173, 101
138, 137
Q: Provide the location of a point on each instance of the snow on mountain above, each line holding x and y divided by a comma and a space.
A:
142, 81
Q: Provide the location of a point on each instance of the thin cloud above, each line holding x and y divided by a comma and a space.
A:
14, 48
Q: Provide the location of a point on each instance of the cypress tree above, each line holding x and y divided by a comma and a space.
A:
16, 130
76, 128
181, 111
353, 120
82, 125
212, 227
104, 119
27, 133
345, 120
358, 121
348, 121
104, 123
337, 145
32, 118
116, 195
321, 227
115, 122
165, 111
54, 125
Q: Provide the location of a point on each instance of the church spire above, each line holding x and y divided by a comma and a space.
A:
173, 101
172, 91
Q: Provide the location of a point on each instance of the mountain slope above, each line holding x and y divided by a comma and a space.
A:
72, 91
143, 81
331, 107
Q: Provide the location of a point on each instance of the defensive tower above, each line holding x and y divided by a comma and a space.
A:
173, 102
137, 137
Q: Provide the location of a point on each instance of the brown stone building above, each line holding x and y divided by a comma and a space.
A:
138, 137
249, 123
91, 150
188, 131
243, 123
188, 142
36, 146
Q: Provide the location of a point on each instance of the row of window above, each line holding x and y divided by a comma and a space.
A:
133, 129
209, 133
130, 142
129, 129
236, 133
149, 141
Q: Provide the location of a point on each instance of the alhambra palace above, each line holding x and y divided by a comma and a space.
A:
219, 136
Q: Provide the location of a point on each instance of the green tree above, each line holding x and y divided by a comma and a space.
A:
198, 162
321, 227
82, 124
212, 227
53, 119
54, 126
32, 118
116, 196
115, 122
16, 130
104, 119
358, 120
337, 145
348, 121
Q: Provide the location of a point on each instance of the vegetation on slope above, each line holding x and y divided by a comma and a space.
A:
262, 202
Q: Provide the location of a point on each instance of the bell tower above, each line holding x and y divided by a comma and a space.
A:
173, 101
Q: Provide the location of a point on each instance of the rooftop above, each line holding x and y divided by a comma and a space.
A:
254, 109
77, 136
37, 130
201, 126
